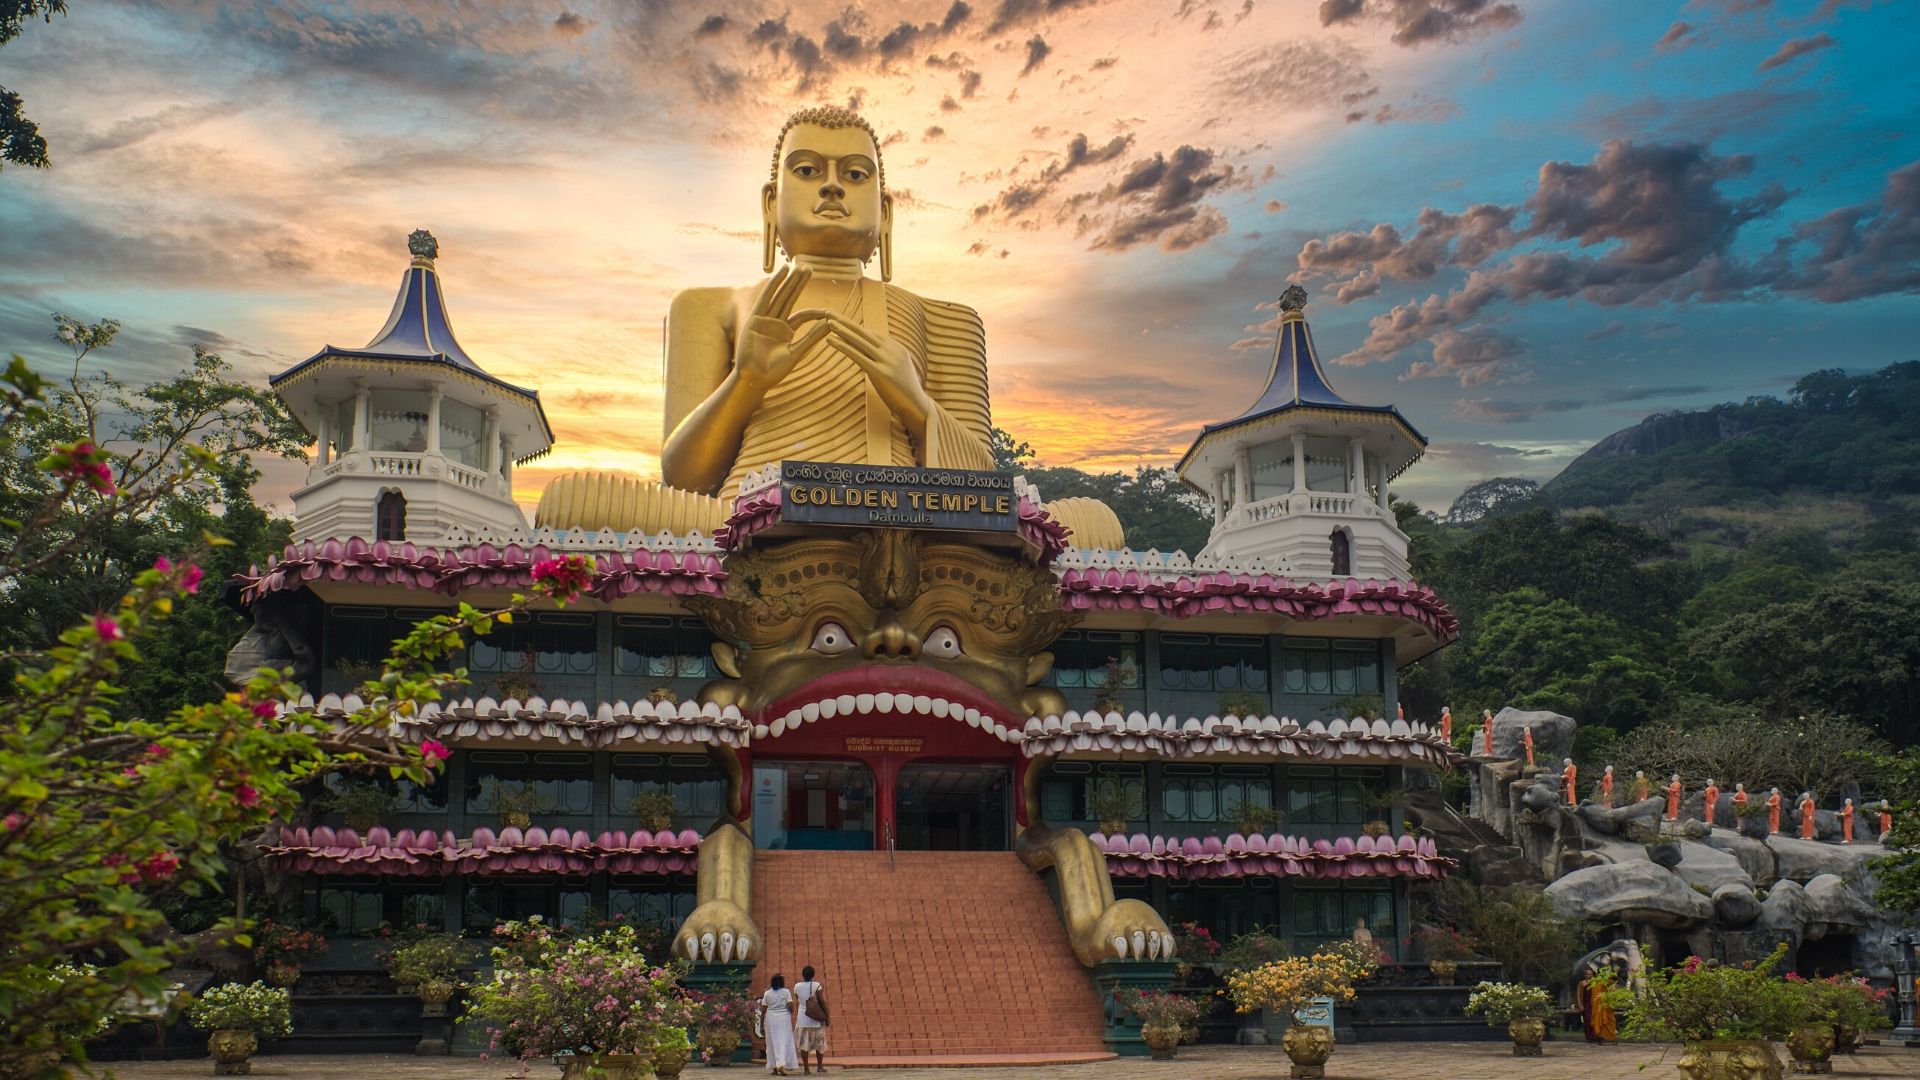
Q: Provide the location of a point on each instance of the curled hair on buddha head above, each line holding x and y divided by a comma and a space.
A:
829, 116
778, 982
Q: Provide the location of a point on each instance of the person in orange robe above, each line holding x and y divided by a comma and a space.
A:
1526, 739
1673, 798
1886, 819
1606, 788
1846, 823
1568, 771
1807, 819
1740, 800
1773, 812
1710, 802
1446, 724
1486, 729
1597, 1021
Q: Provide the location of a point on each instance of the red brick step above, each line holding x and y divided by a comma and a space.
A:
947, 957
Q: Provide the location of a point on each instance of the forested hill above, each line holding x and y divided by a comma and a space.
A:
1835, 434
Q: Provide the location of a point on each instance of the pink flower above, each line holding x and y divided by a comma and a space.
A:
265, 708
190, 579
564, 578
247, 795
163, 564
81, 463
155, 752
108, 629
14, 822
433, 750
159, 866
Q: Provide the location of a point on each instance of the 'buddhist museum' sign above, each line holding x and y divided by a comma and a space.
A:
828, 493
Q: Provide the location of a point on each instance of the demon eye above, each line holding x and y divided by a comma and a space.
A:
832, 639
943, 643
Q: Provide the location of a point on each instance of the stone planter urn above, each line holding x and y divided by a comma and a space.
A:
1308, 1048
1162, 1039
1846, 1039
231, 1049
1526, 1033
1746, 1059
434, 995
608, 1067
1444, 971
668, 1062
1811, 1046
717, 1045
282, 973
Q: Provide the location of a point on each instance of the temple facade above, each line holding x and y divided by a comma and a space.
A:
867, 666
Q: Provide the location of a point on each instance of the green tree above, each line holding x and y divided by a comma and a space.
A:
1598, 565
73, 561
1899, 872
1489, 499
20, 139
1532, 651
1009, 453
1158, 512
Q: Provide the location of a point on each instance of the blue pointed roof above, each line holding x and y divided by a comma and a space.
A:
1296, 379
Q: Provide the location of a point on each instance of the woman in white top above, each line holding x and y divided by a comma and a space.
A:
777, 1008
809, 1035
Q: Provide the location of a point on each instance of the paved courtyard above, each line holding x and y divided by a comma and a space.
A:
1375, 1061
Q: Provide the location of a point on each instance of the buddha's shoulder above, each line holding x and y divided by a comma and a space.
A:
944, 312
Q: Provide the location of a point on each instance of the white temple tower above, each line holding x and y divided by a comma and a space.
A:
1300, 478
416, 441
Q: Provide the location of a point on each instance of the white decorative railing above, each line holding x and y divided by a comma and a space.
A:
394, 464
407, 464
1300, 504
467, 476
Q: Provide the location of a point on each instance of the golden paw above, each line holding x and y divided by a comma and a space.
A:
1130, 930
718, 931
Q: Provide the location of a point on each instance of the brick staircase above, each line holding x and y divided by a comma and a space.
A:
949, 957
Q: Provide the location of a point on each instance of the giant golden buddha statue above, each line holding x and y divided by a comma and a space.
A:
817, 362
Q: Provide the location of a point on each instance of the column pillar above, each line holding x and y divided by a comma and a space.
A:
492, 439
362, 415
433, 418
506, 465
1380, 483
1299, 461
1219, 496
1244, 474
1356, 468
325, 431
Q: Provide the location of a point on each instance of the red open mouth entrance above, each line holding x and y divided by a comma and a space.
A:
914, 774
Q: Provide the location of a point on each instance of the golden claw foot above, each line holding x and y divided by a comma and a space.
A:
1098, 926
720, 930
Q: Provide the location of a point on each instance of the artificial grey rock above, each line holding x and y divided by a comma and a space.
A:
1552, 735
1835, 906
1735, 905
1630, 892
1755, 857
1612, 821
1711, 868
1803, 860
1783, 914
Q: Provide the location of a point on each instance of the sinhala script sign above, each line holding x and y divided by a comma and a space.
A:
827, 493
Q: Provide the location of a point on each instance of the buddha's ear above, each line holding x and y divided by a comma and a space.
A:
768, 237
886, 237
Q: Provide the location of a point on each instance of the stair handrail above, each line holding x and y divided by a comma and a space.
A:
889, 834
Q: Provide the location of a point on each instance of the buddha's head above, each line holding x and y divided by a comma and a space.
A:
827, 194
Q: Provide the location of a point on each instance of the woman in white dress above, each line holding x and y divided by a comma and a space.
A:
776, 1006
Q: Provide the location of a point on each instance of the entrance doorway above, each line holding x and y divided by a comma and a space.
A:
953, 807
813, 806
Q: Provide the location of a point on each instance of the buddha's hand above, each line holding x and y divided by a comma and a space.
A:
889, 365
766, 348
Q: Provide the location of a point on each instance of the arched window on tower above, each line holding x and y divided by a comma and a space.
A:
390, 517
1342, 553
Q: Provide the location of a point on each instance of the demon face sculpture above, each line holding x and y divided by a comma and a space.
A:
884, 610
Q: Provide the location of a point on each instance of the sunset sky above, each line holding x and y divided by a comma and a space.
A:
1528, 224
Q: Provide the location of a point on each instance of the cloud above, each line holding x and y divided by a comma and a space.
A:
1679, 36
1474, 357
1797, 48
571, 24
1490, 411
1656, 214
1014, 13
712, 26
1021, 198
1159, 200
1864, 250
1302, 72
1418, 22
1037, 50
1612, 329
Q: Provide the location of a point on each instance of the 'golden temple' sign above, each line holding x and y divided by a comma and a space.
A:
828, 493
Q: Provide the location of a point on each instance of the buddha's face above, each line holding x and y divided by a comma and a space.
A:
826, 197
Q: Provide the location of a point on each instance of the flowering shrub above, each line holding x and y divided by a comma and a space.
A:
1159, 1008
1194, 943
1504, 1002
1286, 986
256, 1007
1442, 943
1251, 950
723, 1009
1367, 958
1701, 1000
564, 578
278, 943
1844, 999
424, 955
590, 995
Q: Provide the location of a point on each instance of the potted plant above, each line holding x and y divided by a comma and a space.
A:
1243, 705
517, 803
1838, 1010
1379, 805
723, 1018
1728, 1016
280, 949
671, 1053
1114, 678
361, 800
652, 809
549, 993
1195, 946
430, 963
1444, 947
1113, 805
1521, 1007
236, 1015
663, 695
518, 685
1285, 987
1163, 1016
1255, 818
